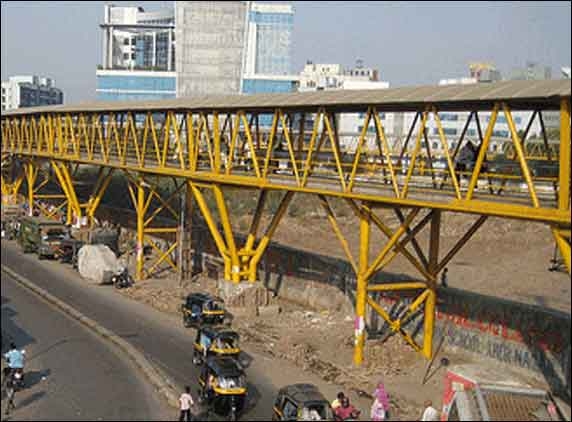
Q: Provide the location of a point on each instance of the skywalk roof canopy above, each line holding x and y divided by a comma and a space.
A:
523, 95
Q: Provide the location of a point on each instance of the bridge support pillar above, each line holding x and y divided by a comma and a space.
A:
562, 234
74, 214
420, 295
149, 203
31, 173
11, 178
240, 263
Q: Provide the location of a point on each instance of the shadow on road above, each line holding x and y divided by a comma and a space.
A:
35, 377
10, 330
29, 400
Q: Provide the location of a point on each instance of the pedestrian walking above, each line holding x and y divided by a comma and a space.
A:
380, 407
10, 390
429, 413
186, 401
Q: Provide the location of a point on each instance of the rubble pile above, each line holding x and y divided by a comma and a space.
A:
97, 263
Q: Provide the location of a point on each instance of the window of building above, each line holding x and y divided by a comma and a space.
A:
126, 41
450, 117
370, 129
125, 56
500, 133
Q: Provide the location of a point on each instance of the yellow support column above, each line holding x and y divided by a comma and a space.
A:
429, 322
140, 209
564, 173
31, 174
64, 179
564, 179
268, 234
96, 197
361, 291
10, 190
227, 227
211, 224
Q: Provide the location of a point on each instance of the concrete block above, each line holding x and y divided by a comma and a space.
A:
268, 310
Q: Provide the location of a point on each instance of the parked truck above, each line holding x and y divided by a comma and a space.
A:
41, 236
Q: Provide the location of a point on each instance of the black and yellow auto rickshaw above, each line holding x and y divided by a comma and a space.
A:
300, 402
213, 341
202, 308
223, 387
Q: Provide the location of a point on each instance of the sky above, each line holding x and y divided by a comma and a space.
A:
411, 43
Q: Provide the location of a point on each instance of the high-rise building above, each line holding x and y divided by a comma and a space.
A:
211, 46
233, 47
138, 60
29, 91
327, 77
226, 47
269, 39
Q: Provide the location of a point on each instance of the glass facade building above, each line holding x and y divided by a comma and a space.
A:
135, 86
273, 41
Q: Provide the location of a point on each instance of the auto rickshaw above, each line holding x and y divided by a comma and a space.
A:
223, 387
300, 402
202, 308
212, 341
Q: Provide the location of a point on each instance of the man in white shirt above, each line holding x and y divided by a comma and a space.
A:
186, 402
430, 413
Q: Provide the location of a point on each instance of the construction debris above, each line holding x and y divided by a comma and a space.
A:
97, 263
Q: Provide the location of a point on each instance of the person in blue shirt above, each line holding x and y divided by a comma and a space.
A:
14, 358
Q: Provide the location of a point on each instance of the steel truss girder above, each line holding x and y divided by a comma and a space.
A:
195, 146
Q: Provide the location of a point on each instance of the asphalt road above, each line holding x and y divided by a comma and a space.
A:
166, 344
71, 374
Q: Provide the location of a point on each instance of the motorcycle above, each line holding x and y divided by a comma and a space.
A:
14, 377
18, 379
122, 279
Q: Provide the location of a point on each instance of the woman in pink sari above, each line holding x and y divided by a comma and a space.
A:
380, 406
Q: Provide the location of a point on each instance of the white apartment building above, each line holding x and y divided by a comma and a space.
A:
396, 126
321, 77
29, 91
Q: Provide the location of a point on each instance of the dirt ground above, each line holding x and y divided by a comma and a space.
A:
505, 258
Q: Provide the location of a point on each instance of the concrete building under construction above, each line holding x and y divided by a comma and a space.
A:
233, 47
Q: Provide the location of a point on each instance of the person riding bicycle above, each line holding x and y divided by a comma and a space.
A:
15, 359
